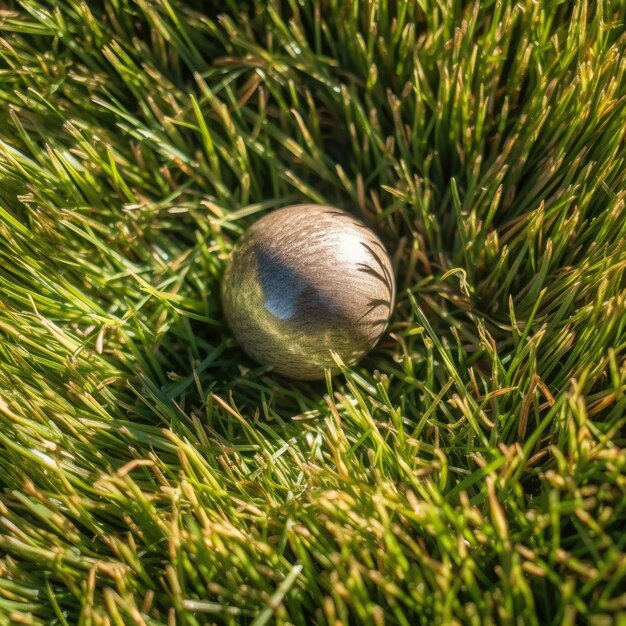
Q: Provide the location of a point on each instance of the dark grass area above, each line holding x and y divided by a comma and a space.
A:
470, 470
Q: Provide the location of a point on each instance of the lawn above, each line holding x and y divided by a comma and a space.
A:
470, 470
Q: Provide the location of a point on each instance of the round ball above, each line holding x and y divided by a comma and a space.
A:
304, 281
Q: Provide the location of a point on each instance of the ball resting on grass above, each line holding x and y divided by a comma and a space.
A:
306, 280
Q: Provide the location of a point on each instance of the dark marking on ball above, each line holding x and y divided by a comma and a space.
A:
306, 280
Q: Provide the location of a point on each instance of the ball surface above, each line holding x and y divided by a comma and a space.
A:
306, 280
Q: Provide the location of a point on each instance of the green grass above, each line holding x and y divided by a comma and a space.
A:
471, 470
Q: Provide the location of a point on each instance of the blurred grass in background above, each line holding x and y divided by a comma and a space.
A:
470, 470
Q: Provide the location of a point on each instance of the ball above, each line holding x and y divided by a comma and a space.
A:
303, 282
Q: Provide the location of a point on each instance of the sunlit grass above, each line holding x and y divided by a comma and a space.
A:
470, 470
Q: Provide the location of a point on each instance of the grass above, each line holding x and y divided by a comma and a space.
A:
471, 470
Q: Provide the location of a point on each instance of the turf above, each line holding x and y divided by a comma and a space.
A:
471, 470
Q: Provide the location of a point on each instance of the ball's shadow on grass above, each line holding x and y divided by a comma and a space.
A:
220, 373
